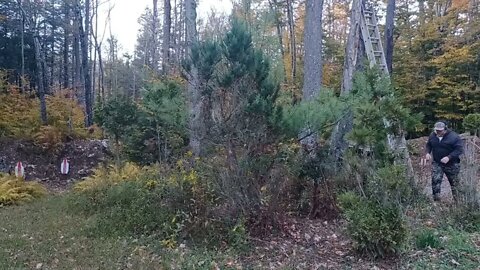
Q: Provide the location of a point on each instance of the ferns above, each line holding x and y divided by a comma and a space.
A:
110, 176
15, 191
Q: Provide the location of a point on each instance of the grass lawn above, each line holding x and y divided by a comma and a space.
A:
43, 235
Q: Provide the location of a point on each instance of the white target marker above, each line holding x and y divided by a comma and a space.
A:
19, 170
65, 166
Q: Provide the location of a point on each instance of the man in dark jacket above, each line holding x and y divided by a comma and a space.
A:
445, 146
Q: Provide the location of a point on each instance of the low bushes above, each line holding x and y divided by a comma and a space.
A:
15, 190
377, 230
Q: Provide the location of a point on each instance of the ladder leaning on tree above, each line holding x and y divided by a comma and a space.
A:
376, 56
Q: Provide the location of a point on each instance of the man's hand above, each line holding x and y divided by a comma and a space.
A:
445, 160
428, 157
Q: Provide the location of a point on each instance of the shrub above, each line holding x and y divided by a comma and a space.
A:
389, 184
471, 123
49, 139
111, 175
378, 230
15, 191
20, 118
427, 238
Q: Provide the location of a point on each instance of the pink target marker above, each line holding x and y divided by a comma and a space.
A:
19, 170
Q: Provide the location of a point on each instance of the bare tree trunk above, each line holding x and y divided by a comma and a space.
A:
22, 79
175, 34
84, 33
95, 51
77, 72
181, 35
421, 12
293, 45
313, 49
274, 9
195, 99
154, 35
66, 45
40, 80
353, 56
167, 25
40, 65
389, 27
101, 73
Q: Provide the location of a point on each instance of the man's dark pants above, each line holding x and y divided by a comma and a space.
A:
451, 171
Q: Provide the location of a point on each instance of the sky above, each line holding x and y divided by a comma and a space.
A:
125, 14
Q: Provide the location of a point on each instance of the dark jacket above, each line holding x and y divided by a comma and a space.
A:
451, 146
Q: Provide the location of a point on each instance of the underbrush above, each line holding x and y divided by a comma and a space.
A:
172, 207
16, 191
20, 119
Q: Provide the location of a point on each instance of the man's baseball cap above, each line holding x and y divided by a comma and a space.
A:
439, 126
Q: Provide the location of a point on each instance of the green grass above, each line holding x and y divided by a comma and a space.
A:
457, 250
43, 232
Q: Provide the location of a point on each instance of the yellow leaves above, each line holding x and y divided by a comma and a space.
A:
454, 57
17, 115
460, 4
169, 243
49, 138
15, 191
20, 116
111, 175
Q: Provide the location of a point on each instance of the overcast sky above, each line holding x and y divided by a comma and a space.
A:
125, 14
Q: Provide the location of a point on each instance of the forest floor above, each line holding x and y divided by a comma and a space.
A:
44, 235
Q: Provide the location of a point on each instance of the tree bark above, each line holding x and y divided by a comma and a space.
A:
154, 35
77, 62
313, 49
84, 33
23, 79
274, 9
353, 56
293, 45
40, 65
195, 99
66, 46
167, 25
389, 28
421, 12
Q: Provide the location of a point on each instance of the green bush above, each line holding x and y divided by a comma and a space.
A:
427, 238
471, 123
378, 230
389, 184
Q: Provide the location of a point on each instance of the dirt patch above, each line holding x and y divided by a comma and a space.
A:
311, 244
44, 166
